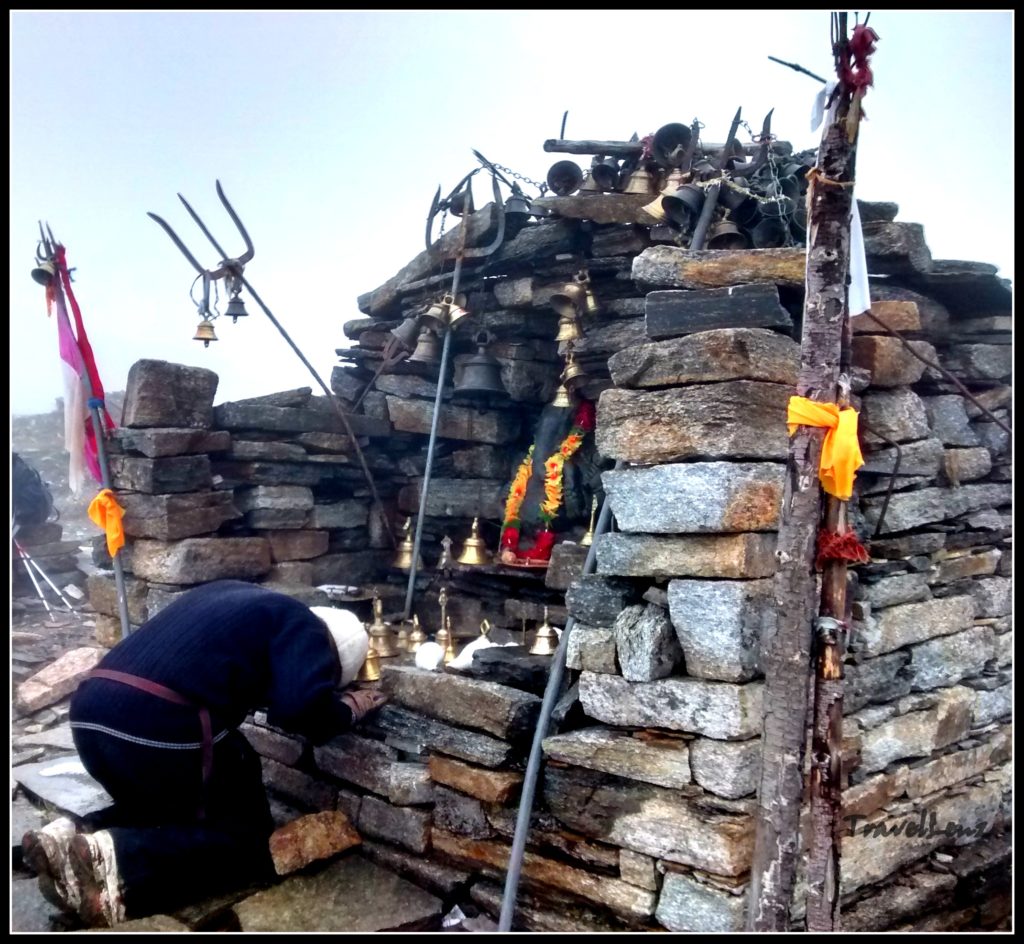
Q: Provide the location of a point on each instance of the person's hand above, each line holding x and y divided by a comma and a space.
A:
363, 701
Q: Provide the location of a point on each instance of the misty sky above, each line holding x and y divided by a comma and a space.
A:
331, 131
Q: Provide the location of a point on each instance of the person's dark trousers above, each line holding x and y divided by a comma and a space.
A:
166, 855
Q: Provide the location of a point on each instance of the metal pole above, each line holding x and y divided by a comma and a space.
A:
35, 583
700, 231
445, 347
515, 861
101, 449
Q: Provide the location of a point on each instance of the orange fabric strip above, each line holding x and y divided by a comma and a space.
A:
106, 513
840, 452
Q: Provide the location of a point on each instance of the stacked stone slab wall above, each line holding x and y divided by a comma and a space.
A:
644, 816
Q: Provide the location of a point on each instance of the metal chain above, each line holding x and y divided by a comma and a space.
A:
526, 180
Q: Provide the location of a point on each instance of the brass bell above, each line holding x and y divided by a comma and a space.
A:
456, 314
45, 272
673, 182
444, 638
403, 556
589, 185
481, 374
546, 641
381, 638
474, 551
402, 636
370, 671
588, 538
573, 375
670, 144
726, 235
205, 332
461, 203
640, 181
438, 312
570, 301
684, 205
605, 173
407, 332
417, 637
426, 348
564, 178
562, 397
236, 308
568, 330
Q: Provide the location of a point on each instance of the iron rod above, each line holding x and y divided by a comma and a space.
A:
515, 861
434, 421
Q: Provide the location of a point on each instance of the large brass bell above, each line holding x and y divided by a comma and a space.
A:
426, 348
407, 332
45, 272
640, 181
564, 178
481, 374
726, 235
670, 144
236, 308
403, 556
474, 551
605, 173
569, 302
546, 641
205, 332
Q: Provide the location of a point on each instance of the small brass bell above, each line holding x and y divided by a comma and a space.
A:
426, 348
205, 332
403, 556
568, 330
562, 397
381, 637
589, 185
439, 311
570, 301
474, 551
45, 272
370, 670
443, 637
481, 374
402, 636
236, 308
417, 637
588, 538
573, 375
407, 332
546, 641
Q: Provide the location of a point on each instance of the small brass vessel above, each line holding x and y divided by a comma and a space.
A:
381, 637
546, 641
588, 538
474, 551
403, 556
417, 637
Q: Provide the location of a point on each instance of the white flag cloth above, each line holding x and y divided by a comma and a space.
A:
860, 290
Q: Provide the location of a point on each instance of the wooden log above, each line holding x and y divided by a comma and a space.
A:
635, 148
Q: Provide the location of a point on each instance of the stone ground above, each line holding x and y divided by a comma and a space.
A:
344, 893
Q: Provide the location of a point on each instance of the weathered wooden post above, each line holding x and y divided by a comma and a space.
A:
786, 651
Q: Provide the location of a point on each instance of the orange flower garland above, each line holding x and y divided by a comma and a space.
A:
518, 491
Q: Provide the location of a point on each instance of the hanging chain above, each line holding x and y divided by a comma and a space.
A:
526, 180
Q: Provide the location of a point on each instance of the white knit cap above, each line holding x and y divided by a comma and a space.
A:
350, 638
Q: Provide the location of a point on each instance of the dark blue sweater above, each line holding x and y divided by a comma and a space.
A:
232, 646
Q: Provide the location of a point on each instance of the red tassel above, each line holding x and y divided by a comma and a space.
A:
541, 550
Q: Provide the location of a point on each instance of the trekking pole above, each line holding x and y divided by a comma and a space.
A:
31, 562
35, 583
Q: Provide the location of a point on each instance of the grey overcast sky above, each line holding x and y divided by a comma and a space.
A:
330, 132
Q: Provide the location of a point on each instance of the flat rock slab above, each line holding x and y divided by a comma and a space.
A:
349, 895
674, 313
663, 761
698, 555
505, 712
199, 560
160, 394
64, 784
672, 267
58, 679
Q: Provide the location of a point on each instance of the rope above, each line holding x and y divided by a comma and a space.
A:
842, 547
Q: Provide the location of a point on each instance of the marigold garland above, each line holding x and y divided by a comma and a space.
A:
518, 490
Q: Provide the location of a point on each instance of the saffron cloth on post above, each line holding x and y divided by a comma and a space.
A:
840, 452
106, 513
